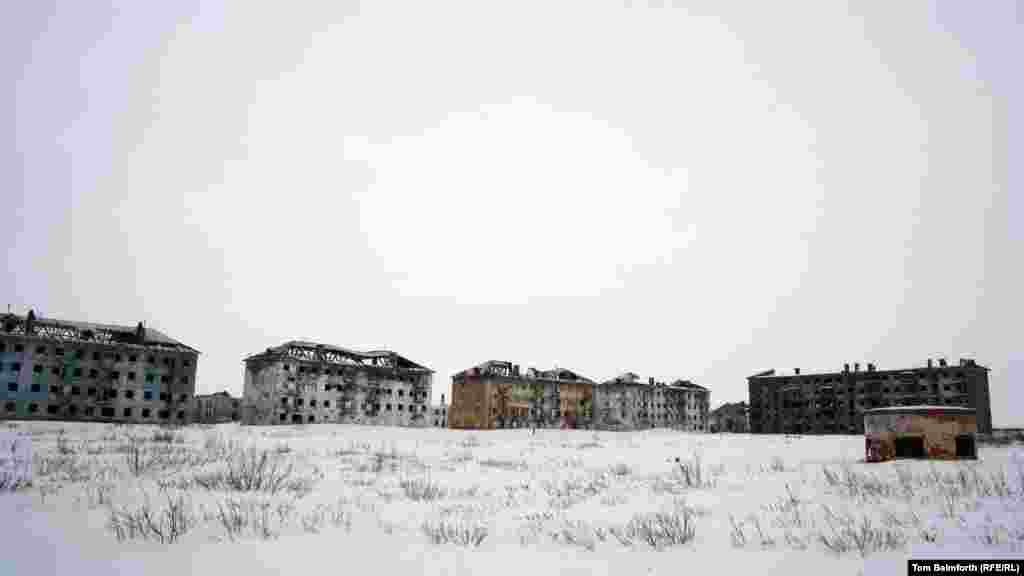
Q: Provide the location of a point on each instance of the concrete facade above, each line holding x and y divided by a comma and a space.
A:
496, 394
933, 432
79, 371
626, 402
438, 415
835, 402
304, 382
728, 417
216, 408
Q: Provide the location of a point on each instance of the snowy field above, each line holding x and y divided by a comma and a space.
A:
94, 499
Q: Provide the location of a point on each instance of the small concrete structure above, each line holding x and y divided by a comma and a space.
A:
933, 432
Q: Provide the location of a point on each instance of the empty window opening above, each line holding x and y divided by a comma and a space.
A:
282, 417
90, 392
76, 391
164, 414
33, 408
72, 410
38, 369
52, 409
36, 388
965, 447
909, 447
127, 412
147, 395
89, 410
311, 418
129, 394
12, 387
133, 358
77, 373
107, 412
146, 412
296, 419
181, 415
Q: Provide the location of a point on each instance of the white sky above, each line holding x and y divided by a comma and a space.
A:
698, 190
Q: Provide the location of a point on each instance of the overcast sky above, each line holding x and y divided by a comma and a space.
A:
698, 190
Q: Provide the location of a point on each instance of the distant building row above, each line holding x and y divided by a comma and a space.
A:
497, 394
54, 369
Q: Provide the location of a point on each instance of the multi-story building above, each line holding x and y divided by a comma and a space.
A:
626, 402
835, 402
216, 408
66, 370
496, 394
305, 382
730, 417
438, 415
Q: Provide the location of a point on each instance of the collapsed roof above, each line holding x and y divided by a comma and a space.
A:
325, 353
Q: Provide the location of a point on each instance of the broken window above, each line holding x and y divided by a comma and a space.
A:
16, 367
164, 378
59, 351
147, 395
41, 350
146, 412
127, 412
72, 410
107, 412
183, 397
133, 358
129, 394
164, 414
89, 410
312, 403
77, 373
33, 408
19, 348
181, 414
38, 369
114, 375
131, 376
55, 371
151, 359
90, 392
284, 401
35, 388
327, 403
311, 418
52, 409
76, 391
165, 397
186, 363
12, 387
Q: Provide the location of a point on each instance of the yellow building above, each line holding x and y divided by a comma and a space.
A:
496, 394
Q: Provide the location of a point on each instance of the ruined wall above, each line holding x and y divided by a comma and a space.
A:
471, 404
293, 391
939, 432
43, 379
216, 408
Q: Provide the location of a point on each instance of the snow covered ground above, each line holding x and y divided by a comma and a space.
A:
329, 499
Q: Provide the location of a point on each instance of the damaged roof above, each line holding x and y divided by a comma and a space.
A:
312, 351
74, 330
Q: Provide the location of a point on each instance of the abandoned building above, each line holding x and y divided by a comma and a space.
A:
216, 408
933, 432
438, 415
835, 402
730, 417
627, 402
69, 370
496, 394
304, 382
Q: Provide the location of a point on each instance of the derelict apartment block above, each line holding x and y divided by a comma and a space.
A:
305, 382
627, 402
65, 370
835, 402
497, 394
